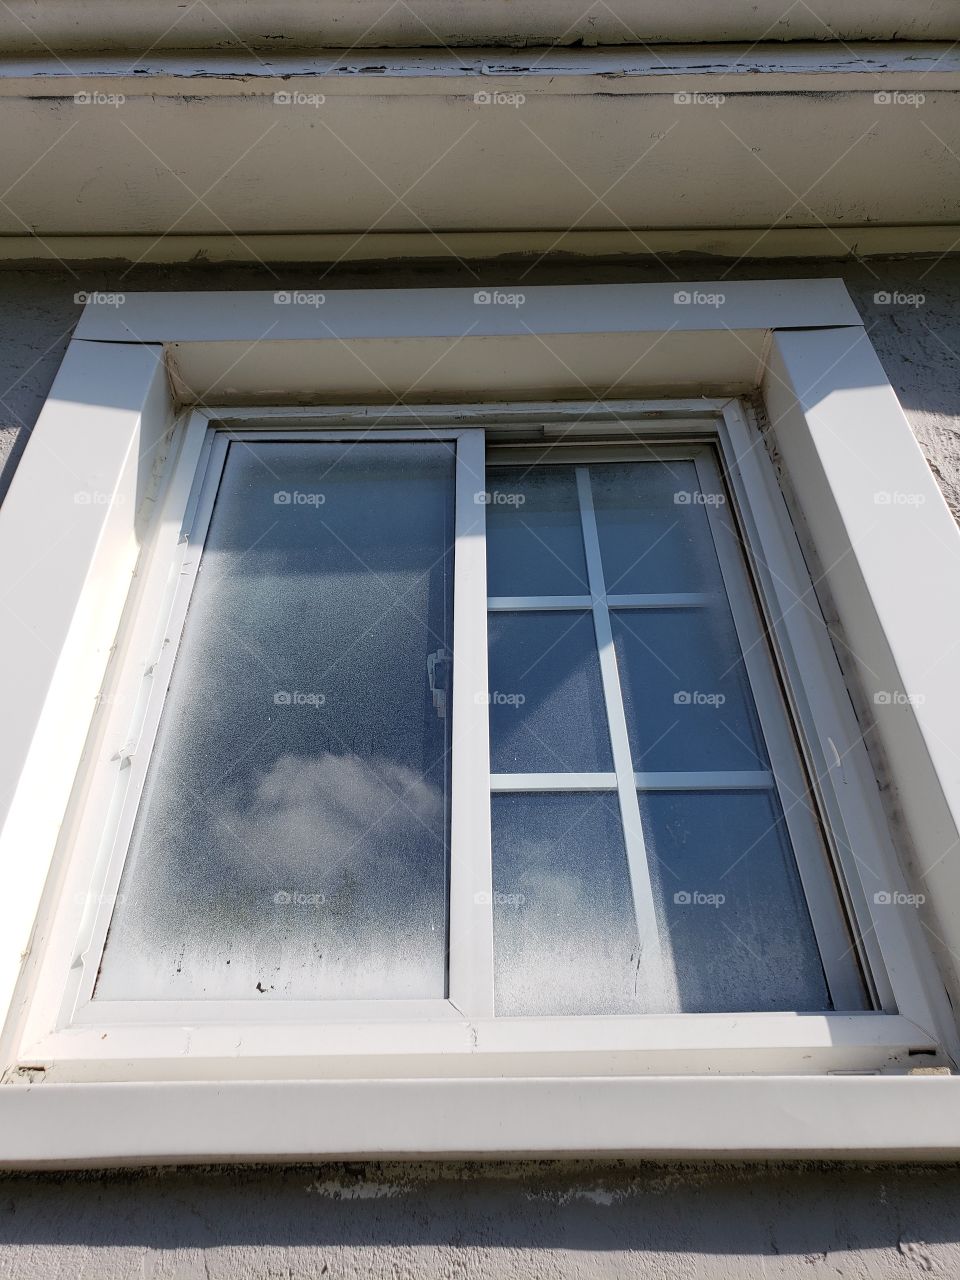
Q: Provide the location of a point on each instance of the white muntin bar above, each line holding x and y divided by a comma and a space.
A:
718, 780
657, 966
663, 600
498, 604
553, 782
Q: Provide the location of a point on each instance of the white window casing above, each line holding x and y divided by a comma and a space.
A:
840, 437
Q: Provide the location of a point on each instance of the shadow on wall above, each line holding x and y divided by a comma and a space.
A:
907, 1217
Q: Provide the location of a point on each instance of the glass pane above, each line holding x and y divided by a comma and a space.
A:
565, 933
733, 915
546, 699
292, 837
534, 536
653, 530
685, 690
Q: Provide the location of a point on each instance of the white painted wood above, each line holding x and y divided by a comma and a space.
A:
571, 339
71, 530
70, 932
58, 1125
844, 441
128, 750
245, 1045
345, 314
521, 413
372, 131
471, 867
509, 366
375, 35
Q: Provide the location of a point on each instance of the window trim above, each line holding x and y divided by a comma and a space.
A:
803, 347
66, 1037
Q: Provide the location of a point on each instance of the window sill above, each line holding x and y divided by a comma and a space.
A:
101, 1125
289, 1042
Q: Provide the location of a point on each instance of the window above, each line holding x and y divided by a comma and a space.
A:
286, 833
454, 728
513, 1026
291, 839
647, 820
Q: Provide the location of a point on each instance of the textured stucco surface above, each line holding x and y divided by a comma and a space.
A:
537, 1220
450, 1222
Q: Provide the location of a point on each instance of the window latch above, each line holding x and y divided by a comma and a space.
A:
438, 673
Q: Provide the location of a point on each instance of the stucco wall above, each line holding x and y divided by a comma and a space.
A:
449, 1222
455, 1221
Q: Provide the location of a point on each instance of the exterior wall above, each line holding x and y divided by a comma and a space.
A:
468, 1223
454, 1220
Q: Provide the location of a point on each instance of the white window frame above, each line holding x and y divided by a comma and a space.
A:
820, 381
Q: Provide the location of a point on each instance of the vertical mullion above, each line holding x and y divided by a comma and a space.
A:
656, 964
471, 863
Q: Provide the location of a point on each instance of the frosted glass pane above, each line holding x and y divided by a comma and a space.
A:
732, 909
534, 536
654, 534
546, 699
292, 837
565, 931
685, 691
